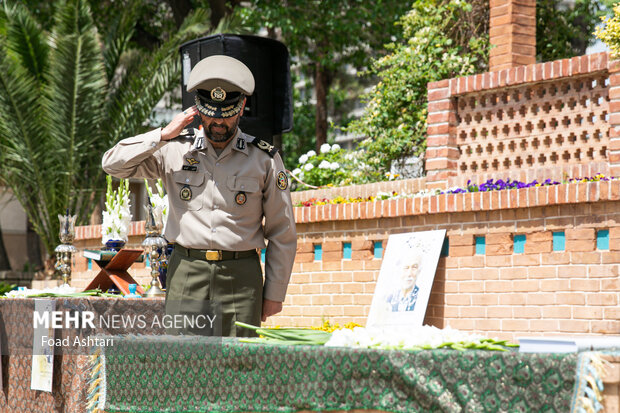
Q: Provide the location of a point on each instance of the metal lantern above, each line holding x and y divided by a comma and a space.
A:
154, 247
66, 249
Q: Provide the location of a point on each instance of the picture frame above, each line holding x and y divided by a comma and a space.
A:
405, 279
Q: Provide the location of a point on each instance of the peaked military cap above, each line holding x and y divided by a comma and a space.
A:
221, 84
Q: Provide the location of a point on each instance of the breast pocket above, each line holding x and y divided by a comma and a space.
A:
189, 188
244, 190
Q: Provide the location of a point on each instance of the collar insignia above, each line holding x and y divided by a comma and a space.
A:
241, 143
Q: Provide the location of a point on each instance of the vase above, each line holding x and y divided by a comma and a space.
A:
163, 269
114, 245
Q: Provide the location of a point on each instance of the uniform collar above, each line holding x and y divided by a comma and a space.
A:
200, 140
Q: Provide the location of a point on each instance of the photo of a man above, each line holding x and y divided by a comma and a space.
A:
405, 296
406, 279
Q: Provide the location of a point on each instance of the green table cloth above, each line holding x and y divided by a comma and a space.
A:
198, 374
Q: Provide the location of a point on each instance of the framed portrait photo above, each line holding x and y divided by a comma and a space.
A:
405, 279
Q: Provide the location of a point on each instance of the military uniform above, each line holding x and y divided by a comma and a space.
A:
222, 207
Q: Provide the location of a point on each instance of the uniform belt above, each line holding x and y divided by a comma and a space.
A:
213, 255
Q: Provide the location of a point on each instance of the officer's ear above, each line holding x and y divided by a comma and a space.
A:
243, 107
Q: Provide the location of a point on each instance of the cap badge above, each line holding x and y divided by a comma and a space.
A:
186, 193
240, 198
218, 94
282, 180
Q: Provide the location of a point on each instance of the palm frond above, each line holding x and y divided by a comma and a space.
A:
75, 103
140, 90
116, 41
24, 38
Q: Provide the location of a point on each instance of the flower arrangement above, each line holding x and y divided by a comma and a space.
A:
489, 185
158, 200
117, 216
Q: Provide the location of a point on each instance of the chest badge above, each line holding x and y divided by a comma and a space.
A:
192, 161
282, 180
186, 193
240, 198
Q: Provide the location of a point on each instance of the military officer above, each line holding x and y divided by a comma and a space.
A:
228, 193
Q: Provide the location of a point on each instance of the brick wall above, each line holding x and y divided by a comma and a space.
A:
540, 120
500, 293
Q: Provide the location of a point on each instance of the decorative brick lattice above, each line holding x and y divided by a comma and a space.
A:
535, 125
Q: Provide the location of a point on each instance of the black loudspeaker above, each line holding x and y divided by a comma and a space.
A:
269, 111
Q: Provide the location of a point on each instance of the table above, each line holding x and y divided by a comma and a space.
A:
165, 374
159, 373
71, 371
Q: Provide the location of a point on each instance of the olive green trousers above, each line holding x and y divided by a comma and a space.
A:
233, 287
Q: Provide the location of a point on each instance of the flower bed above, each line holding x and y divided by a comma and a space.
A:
490, 185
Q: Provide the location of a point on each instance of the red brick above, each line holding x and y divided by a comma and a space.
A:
532, 247
499, 249
580, 245
494, 239
526, 259
602, 298
579, 234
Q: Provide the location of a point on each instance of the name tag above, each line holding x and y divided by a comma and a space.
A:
190, 168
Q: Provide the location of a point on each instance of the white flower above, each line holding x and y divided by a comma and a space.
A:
303, 159
335, 147
349, 157
116, 219
308, 166
311, 153
324, 164
326, 147
296, 171
334, 165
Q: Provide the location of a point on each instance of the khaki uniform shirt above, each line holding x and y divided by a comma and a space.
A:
215, 217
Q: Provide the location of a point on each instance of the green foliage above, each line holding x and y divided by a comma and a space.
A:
324, 36
564, 30
5, 288
67, 95
440, 43
610, 33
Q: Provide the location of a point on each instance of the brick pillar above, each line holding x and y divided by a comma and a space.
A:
613, 153
442, 153
512, 33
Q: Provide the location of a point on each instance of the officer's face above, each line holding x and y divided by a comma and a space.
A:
220, 129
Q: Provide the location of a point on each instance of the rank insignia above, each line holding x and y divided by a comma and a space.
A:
192, 161
186, 193
240, 198
240, 143
282, 180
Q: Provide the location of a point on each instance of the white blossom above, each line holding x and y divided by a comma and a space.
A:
303, 159
308, 166
326, 147
310, 153
296, 171
334, 165
335, 147
324, 164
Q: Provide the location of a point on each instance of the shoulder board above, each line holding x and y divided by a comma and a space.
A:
186, 134
265, 146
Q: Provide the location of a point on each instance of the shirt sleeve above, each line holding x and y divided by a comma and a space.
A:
279, 229
136, 157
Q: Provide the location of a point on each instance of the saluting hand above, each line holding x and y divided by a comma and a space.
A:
270, 308
176, 125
